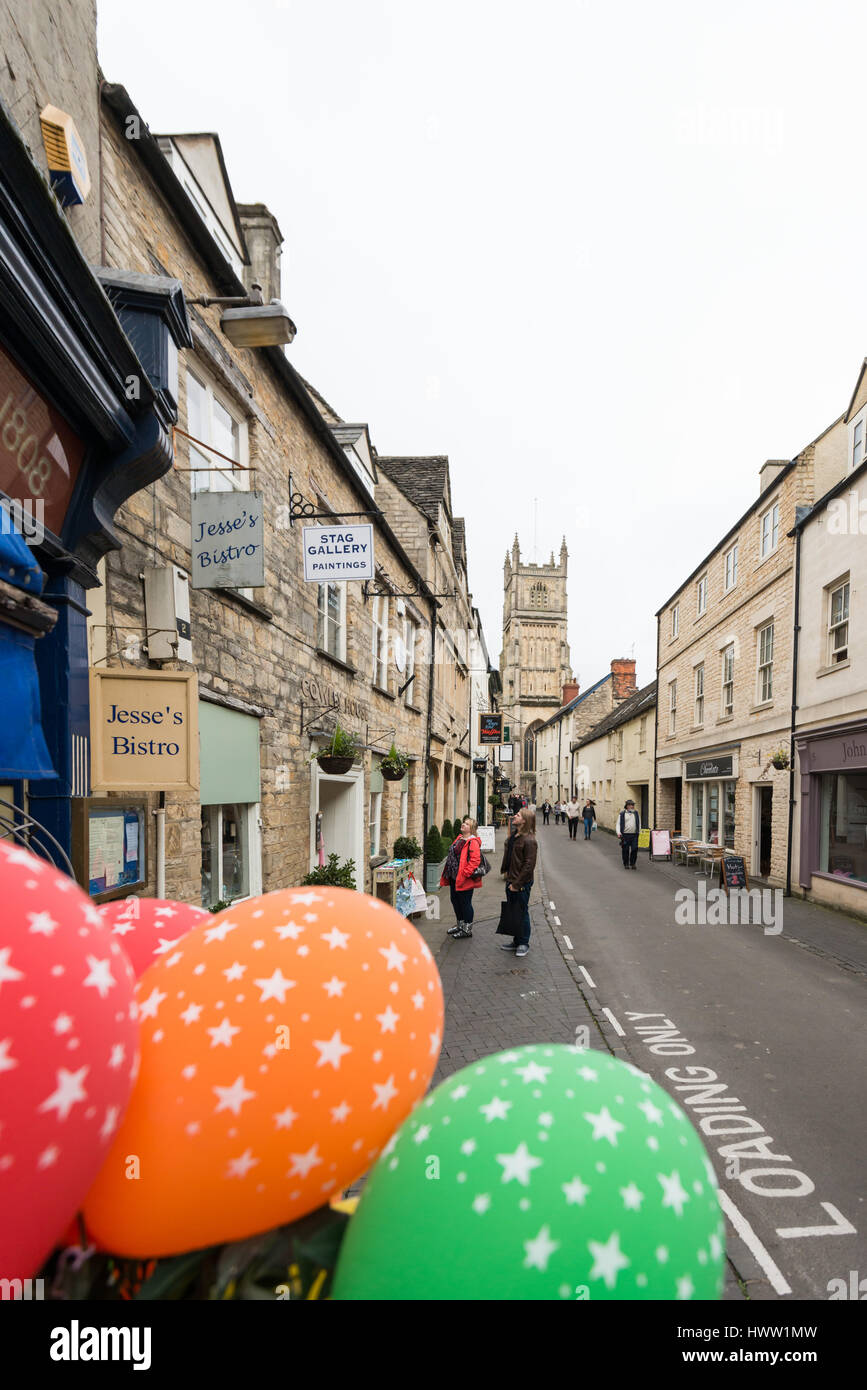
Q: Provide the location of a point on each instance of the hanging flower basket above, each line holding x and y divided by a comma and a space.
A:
392, 773
394, 765
334, 767
780, 759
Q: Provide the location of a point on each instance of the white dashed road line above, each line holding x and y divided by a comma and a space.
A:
556, 921
614, 1024
567, 943
590, 982
753, 1244
551, 905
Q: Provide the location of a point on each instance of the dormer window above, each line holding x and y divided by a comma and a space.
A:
222, 234
857, 440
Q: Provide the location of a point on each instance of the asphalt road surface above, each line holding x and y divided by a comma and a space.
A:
758, 1030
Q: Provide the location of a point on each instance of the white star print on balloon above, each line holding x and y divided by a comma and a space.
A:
518, 1165
393, 957
605, 1126
675, 1195
336, 939
608, 1259
70, 1091
332, 1050
540, 1250
274, 987
576, 1192
232, 1097
385, 1094
496, 1109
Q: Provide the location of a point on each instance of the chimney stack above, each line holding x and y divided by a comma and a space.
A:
264, 239
623, 678
770, 471
570, 690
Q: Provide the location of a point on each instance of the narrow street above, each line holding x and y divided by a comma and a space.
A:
767, 1021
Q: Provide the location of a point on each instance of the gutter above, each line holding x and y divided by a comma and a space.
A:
656, 731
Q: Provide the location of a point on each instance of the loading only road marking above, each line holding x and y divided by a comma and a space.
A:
753, 1244
703, 1094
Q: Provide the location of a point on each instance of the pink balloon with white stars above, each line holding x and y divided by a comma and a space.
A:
68, 1053
150, 927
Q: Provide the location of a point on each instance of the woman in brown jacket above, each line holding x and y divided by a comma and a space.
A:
519, 863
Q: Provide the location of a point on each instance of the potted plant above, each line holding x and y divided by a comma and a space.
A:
394, 765
780, 758
333, 874
448, 832
406, 847
435, 852
340, 753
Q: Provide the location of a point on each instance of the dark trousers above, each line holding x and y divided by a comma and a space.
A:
588, 826
545, 815
629, 849
462, 903
522, 938
573, 827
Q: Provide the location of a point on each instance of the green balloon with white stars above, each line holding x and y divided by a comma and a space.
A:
548, 1172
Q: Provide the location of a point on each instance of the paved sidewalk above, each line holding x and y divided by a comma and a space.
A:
494, 1001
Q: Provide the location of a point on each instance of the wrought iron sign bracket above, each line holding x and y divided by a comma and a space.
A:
300, 509
379, 588
315, 712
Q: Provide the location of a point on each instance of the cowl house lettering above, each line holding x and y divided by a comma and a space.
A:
321, 694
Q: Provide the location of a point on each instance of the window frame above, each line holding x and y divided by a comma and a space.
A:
672, 707
698, 695
675, 621
765, 669
374, 819
773, 513
701, 587
731, 554
323, 619
727, 710
379, 641
833, 656
855, 442
234, 479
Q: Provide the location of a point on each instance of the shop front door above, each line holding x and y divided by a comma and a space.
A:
762, 830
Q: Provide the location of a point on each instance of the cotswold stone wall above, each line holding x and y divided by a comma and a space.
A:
260, 656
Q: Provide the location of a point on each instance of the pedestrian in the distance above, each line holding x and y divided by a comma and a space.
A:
588, 815
546, 811
519, 878
463, 859
628, 826
573, 812
557, 811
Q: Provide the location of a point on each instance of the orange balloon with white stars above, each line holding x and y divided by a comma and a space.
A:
282, 1043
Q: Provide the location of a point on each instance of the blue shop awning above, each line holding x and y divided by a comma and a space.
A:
23, 751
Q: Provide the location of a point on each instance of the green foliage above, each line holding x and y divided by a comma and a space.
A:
221, 904
343, 745
448, 831
333, 874
396, 758
406, 847
434, 849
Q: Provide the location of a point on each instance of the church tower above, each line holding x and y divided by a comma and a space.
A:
534, 663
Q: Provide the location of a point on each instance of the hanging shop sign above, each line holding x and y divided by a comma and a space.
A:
480, 766
144, 730
490, 730
346, 552
507, 753
228, 540
40, 455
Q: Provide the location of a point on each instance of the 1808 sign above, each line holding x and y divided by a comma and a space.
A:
39, 454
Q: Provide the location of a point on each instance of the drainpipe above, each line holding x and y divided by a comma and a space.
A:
430, 700
559, 758
160, 814
795, 645
656, 734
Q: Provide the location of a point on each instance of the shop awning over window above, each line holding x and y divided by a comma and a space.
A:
229, 764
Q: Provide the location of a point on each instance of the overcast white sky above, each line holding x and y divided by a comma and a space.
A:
607, 256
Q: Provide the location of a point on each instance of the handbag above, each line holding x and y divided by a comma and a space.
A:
511, 917
484, 868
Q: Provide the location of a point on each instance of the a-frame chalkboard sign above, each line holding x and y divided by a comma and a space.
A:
733, 872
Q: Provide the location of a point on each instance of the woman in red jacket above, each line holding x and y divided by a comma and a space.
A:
464, 858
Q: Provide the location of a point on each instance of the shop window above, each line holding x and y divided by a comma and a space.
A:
379, 642
698, 712
729, 814
698, 811
838, 624
770, 529
675, 620
672, 707
701, 595
332, 620
766, 664
213, 422
843, 831
404, 805
731, 568
227, 833
727, 701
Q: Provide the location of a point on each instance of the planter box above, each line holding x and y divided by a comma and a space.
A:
432, 876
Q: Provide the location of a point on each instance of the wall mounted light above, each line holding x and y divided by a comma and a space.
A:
248, 322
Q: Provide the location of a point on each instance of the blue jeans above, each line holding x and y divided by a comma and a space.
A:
588, 826
462, 903
523, 897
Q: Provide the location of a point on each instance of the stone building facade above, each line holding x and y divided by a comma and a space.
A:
416, 494
616, 758
279, 665
534, 664
557, 752
725, 672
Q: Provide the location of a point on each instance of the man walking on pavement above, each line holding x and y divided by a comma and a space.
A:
628, 826
573, 811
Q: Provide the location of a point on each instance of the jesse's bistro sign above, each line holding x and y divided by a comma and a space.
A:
144, 730
346, 552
